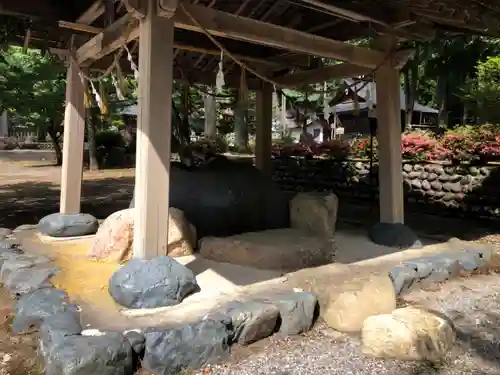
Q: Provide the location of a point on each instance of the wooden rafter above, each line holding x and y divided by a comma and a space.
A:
227, 25
344, 70
91, 14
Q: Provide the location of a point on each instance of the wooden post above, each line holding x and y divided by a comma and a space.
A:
389, 144
74, 130
153, 135
263, 139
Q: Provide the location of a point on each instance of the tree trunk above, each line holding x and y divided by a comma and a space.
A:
240, 124
57, 147
184, 130
93, 162
210, 115
441, 100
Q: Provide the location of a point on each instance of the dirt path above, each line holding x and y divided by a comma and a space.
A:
18, 355
30, 190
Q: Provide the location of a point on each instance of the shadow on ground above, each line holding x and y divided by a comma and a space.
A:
27, 202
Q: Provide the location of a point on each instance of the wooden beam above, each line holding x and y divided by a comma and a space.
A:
227, 25
94, 12
109, 40
344, 70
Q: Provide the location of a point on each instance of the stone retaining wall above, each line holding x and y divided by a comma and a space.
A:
431, 188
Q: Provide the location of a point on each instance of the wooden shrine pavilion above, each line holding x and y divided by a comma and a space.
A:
277, 43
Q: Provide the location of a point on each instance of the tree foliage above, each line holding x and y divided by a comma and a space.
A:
32, 87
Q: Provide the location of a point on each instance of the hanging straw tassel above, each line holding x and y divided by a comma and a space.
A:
104, 103
219, 81
326, 102
133, 65
122, 82
87, 99
96, 95
119, 94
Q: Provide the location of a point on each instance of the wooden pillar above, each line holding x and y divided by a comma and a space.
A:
74, 130
389, 144
154, 127
263, 139
210, 114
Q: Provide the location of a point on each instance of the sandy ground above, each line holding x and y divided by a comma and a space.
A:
29, 192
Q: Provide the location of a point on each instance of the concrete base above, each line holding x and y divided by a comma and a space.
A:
394, 235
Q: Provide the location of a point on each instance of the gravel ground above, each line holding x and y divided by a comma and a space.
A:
472, 303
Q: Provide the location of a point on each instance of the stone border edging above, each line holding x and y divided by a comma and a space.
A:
67, 348
439, 267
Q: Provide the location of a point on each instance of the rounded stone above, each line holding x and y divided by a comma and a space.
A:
432, 177
426, 185
436, 185
444, 177
407, 168
485, 171
439, 170
394, 235
418, 167
72, 225
416, 184
415, 174
161, 281
474, 171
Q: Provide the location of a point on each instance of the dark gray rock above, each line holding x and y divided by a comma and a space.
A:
109, 354
444, 267
437, 169
26, 280
55, 328
9, 253
72, 225
137, 341
228, 197
4, 232
483, 251
426, 185
394, 235
422, 266
7, 245
161, 281
251, 321
297, 311
33, 308
189, 346
403, 278
22, 261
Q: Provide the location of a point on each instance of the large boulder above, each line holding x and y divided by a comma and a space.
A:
71, 225
315, 212
408, 333
227, 197
190, 346
349, 304
277, 249
115, 237
158, 282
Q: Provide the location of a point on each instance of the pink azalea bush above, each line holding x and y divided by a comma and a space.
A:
464, 144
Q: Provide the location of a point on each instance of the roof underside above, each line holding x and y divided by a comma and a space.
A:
414, 17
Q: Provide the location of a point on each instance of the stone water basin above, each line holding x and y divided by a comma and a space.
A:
86, 282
